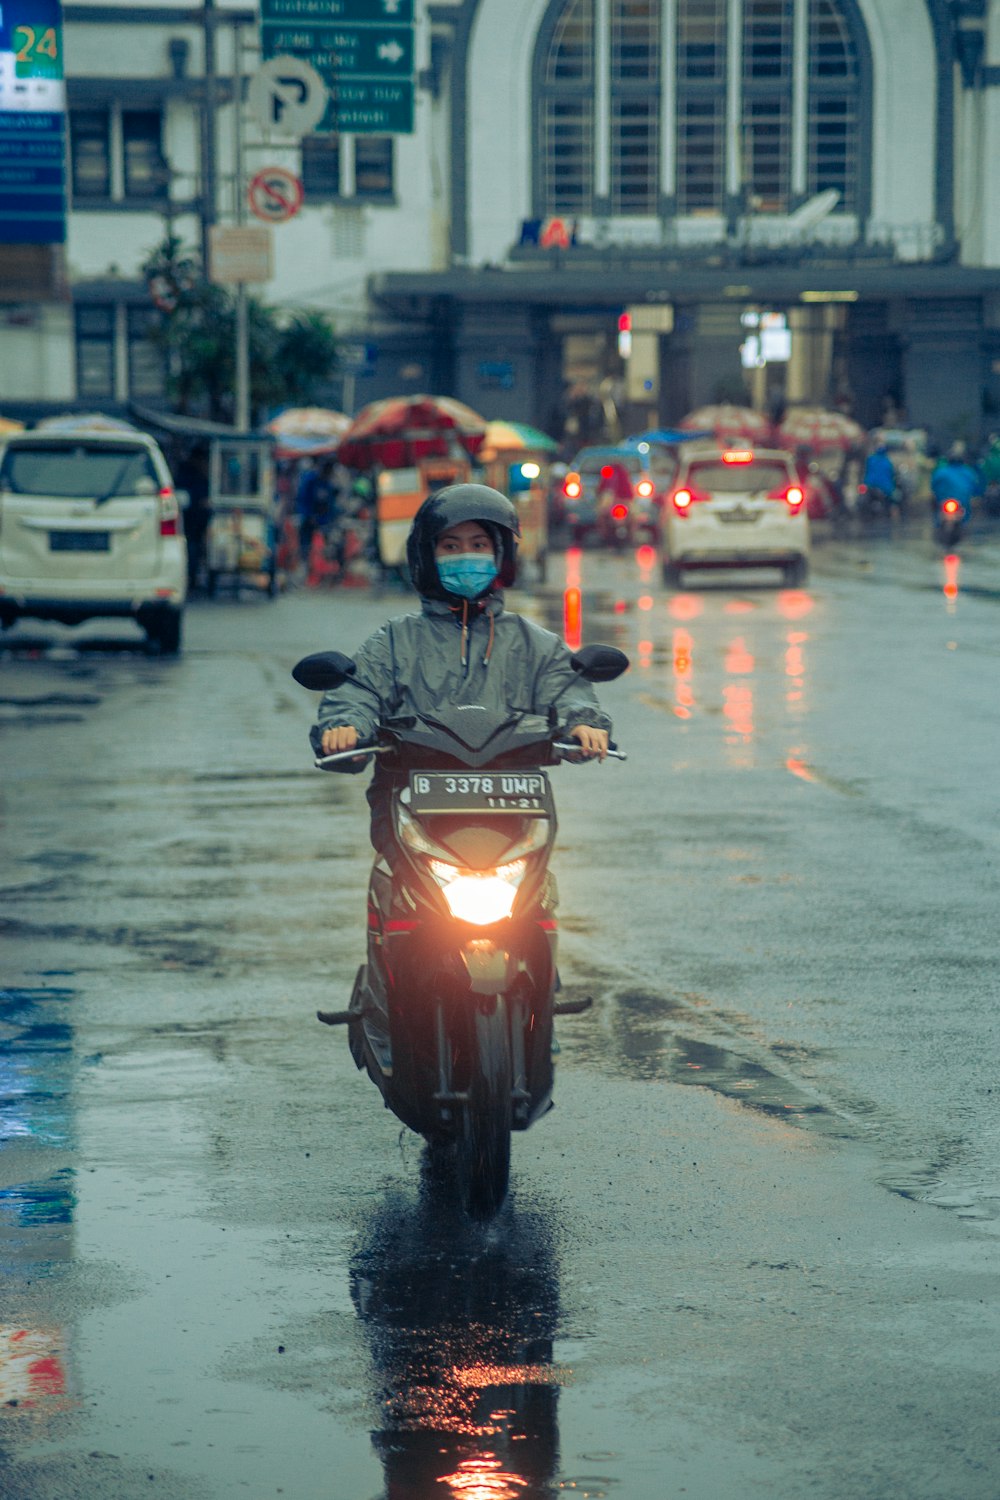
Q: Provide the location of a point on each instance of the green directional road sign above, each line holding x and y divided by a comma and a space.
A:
371, 51
302, 12
362, 50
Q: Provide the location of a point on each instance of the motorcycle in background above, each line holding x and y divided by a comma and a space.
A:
949, 520
451, 1014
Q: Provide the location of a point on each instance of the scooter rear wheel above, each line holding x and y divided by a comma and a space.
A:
483, 1154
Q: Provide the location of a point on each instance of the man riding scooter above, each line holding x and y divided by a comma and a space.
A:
955, 479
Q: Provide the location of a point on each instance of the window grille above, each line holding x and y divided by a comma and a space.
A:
700, 154
635, 156
569, 156
147, 372
95, 350
571, 57
823, 107
90, 148
146, 171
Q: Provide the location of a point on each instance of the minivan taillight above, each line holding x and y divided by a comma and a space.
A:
170, 512
684, 498
792, 494
571, 486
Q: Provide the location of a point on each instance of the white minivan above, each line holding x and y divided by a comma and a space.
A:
739, 507
90, 525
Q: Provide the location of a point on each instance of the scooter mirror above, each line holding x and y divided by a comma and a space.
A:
323, 670
600, 663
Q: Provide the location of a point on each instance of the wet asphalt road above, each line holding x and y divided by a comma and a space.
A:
754, 1248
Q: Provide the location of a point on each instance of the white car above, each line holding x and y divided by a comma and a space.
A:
90, 525
736, 508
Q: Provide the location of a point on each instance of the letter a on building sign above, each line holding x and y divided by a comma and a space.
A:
555, 235
32, 123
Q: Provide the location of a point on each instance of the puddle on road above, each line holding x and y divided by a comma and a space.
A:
680, 1040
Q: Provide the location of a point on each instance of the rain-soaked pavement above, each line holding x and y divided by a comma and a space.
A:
224, 1272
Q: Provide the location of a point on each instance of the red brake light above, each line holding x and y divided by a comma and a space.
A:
571, 486
619, 512
794, 497
169, 512
951, 507
608, 471
644, 488
683, 500
738, 456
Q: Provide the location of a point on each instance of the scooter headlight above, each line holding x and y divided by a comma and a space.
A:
481, 899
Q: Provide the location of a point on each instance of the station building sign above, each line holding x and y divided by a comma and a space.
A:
32, 123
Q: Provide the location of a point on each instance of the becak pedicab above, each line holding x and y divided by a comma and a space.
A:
412, 446
516, 460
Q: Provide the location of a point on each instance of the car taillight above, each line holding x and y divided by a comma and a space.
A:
792, 494
619, 512
571, 486
644, 488
170, 513
607, 472
951, 507
683, 500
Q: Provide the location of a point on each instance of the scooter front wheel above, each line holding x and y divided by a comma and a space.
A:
483, 1145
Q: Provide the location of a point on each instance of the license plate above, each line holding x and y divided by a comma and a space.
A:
525, 792
738, 513
79, 541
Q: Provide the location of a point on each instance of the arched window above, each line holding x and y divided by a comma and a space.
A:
705, 106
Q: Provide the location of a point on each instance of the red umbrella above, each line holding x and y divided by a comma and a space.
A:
399, 430
729, 423
814, 427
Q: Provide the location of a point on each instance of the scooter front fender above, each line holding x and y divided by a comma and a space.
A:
490, 968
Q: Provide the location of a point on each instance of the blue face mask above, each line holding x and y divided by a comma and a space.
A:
468, 574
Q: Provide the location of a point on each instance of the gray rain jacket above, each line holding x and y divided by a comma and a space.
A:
446, 654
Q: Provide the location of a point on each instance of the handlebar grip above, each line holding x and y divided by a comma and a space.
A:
330, 762
574, 749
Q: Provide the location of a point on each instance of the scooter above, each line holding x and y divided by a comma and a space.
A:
949, 520
451, 1015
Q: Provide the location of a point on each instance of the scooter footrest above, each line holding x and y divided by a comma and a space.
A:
572, 1007
337, 1017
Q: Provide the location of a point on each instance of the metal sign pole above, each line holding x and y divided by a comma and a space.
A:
242, 413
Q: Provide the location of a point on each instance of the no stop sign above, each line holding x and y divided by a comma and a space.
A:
275, 194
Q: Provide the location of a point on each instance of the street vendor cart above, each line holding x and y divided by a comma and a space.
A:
516, 460
240, 544
412, 446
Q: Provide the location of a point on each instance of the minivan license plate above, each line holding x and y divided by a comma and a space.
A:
79, 541
524, 792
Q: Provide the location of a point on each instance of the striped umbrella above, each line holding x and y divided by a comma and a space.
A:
814, 427
399, 430
730, 423
515, 437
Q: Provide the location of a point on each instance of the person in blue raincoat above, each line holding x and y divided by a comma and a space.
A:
956, 479
879, 472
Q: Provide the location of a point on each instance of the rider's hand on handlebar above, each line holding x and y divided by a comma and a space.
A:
593, 742
341, 737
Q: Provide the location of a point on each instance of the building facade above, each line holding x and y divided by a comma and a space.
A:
690, 172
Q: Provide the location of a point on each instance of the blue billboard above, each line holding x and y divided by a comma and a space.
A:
32, 123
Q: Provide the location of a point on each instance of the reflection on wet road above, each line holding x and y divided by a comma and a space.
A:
37, 1195
460, 1325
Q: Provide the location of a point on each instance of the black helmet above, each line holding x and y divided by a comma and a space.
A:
461, 502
